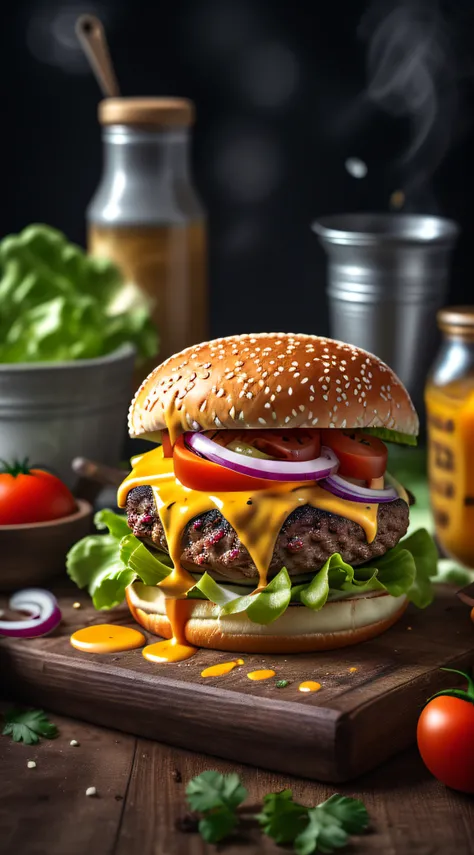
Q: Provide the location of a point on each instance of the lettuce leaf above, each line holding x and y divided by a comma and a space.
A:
58, 303
267, 605
106, 564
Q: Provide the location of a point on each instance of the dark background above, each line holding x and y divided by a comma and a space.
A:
285, 93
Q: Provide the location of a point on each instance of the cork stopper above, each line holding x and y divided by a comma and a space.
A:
156, 112
457, 321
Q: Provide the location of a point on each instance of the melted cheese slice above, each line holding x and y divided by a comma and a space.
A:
257, 516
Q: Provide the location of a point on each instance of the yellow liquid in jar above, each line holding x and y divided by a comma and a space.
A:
168, 264
450, 412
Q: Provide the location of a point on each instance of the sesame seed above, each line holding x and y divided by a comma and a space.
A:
294, 413
311, 397
274, 416
31, 764
74, 743
315, 421
325, 397
304, 380
290, 390
287, 419
220, 393
91, 791
262, 421
278, 388
77, 606
267, 405
203, 406
302, 408
272, 397
311, 388
249, 394
232, 412
267, 390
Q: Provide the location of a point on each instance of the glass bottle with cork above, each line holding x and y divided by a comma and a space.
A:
449, 398
146, 215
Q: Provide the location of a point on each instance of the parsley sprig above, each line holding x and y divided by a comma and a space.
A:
323, 828
217, 797
28, 725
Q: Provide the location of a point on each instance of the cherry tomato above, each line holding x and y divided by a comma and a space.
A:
166, 444
200, 474
298, 444
32, 495
360, 456
445, 736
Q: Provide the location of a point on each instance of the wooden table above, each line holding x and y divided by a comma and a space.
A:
140, 796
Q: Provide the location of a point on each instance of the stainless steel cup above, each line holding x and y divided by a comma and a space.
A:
387, 277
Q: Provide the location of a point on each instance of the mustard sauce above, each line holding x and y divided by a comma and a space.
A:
107, 638
221, 669
263, 674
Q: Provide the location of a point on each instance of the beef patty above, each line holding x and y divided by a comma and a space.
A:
307, 538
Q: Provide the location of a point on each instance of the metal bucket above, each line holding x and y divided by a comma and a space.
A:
387, 277
52, 412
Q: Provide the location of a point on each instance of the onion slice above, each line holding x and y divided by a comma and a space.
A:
353, 493
40, 605
274, 470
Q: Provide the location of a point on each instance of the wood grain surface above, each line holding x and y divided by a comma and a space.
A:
141, 784
357, 720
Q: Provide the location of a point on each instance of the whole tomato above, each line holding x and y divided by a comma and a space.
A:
445, 736
32, 495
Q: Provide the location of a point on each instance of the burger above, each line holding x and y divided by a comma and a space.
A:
263, 519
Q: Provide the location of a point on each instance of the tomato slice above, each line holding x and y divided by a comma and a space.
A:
199, 474
360, 456
293, 445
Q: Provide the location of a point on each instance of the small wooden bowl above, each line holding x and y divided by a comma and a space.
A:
33, 553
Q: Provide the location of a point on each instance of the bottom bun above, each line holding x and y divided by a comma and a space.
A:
339, 623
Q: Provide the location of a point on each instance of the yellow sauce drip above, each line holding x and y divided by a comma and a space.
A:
264, 674
352, 670
176, 649
309, 686
168, 651
256, 516
107, 638
221, 669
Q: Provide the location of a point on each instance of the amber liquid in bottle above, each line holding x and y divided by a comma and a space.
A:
167, 263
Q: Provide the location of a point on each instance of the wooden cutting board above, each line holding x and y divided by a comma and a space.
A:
357, 720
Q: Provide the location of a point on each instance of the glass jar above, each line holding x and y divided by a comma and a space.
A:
449, 398
146, 215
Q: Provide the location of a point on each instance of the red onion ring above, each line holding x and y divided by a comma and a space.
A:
353, 493
274, 470
43, 609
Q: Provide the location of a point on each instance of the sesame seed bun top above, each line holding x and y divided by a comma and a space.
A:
271, 380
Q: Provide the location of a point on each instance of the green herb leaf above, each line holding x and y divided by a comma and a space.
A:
323, 833
28, 725
282, 818
282, 684
115, 524
217, 824
211, 790
351, 813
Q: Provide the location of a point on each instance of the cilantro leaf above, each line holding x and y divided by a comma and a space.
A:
217, 824
28, 725
323, 833
282, 818
211, 790
351, 813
